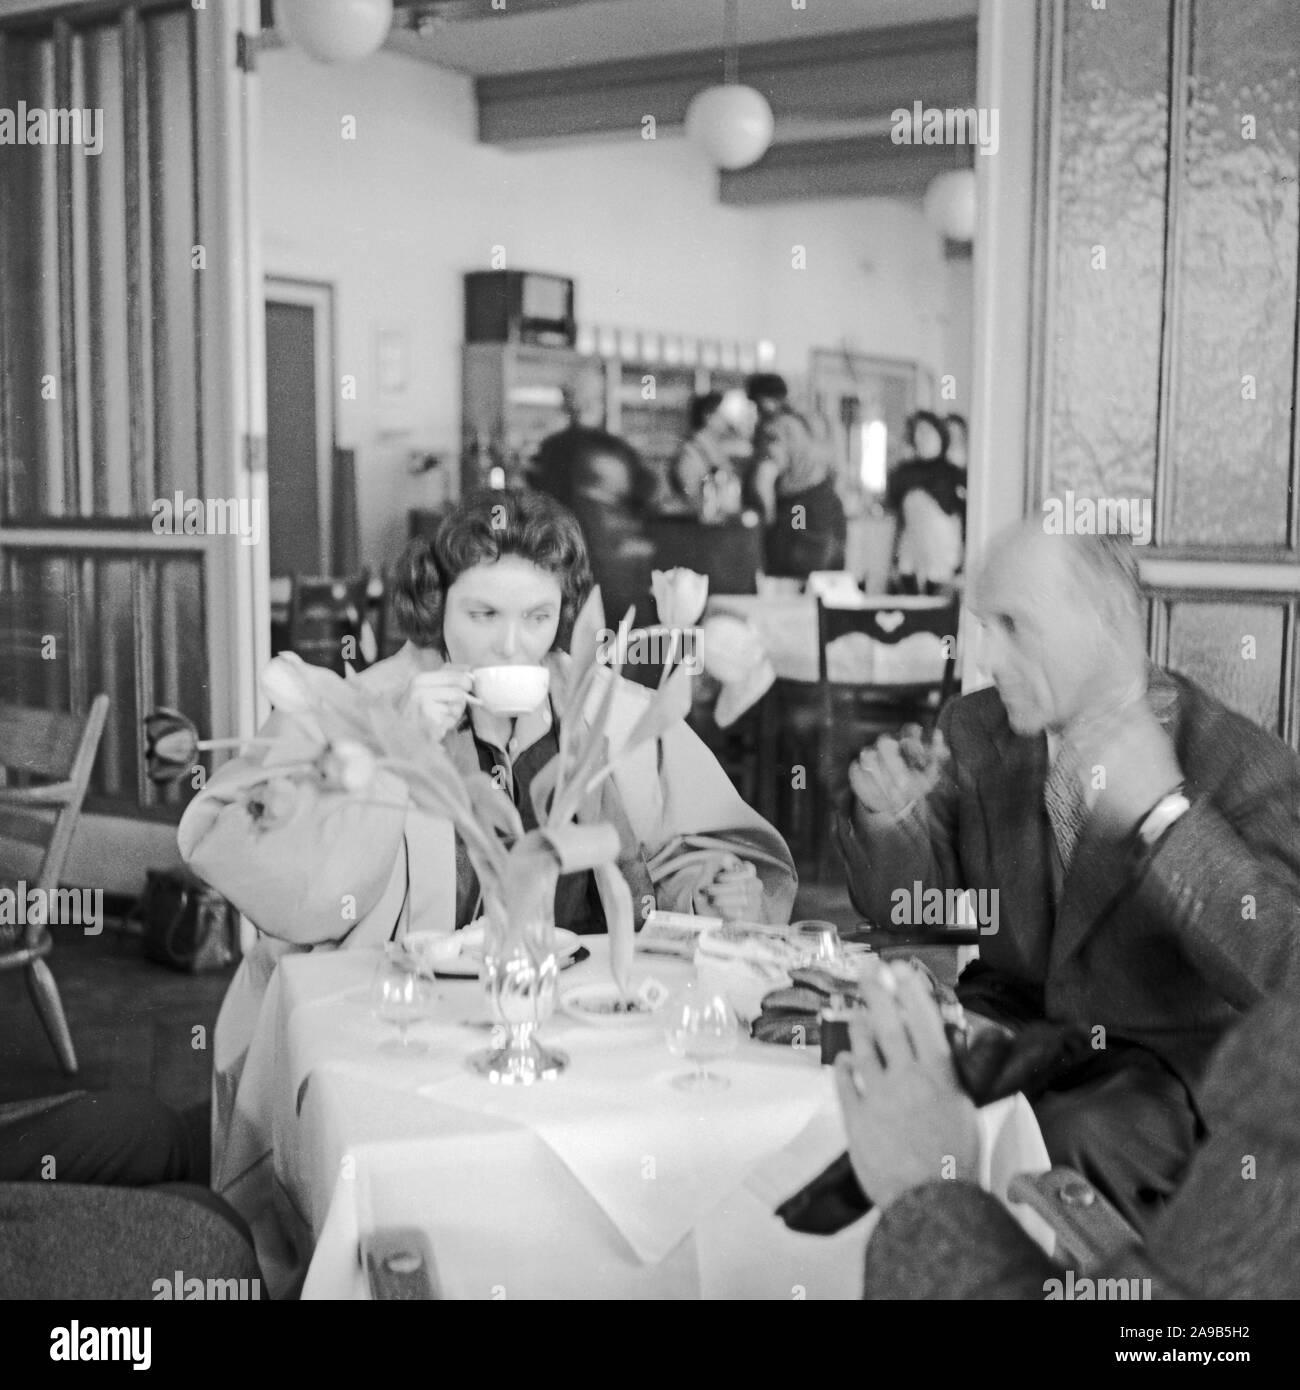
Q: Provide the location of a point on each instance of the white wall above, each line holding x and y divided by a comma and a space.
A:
394, 217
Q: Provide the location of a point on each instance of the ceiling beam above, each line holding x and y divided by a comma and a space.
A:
869, 166
832, 77
461, 10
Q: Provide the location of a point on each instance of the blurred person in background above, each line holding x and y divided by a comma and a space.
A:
704, 475
927, 493
792, 479
958, 439
600, 478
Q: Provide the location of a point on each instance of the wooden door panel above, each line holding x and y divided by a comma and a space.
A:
1236, 649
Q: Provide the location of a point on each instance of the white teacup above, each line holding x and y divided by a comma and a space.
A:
511, 689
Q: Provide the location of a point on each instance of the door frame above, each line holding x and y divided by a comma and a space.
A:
319, 296
230, 349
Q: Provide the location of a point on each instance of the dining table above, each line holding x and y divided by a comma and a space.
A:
787, 626
608, 1182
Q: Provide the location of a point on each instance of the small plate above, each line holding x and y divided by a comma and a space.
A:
596, 1003
457, 957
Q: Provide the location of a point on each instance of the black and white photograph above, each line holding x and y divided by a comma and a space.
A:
650, 651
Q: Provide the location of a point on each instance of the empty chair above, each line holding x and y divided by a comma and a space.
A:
823, 726
47, 758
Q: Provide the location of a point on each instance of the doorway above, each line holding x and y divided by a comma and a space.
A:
299, 426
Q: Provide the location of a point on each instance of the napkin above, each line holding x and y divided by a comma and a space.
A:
993, 1067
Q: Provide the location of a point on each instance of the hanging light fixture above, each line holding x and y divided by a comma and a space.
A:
335, 31
950, 204
732, 123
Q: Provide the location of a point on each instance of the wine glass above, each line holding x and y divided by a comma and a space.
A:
700, 1025
399, 995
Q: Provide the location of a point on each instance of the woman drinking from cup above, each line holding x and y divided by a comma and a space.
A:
488, 607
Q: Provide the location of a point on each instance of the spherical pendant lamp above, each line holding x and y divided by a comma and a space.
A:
335, 31
950, 204
732, 124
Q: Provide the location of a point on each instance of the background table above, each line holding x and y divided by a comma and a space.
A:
607, 1183
788, 628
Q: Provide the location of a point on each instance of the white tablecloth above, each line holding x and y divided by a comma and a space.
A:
607, 1183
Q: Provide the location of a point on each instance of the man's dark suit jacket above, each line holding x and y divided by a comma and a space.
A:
1230, 1231
1167, 952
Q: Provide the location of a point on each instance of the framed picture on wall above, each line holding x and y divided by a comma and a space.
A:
393, 362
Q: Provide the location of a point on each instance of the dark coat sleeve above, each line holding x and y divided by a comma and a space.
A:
1228, 1232
1226, 878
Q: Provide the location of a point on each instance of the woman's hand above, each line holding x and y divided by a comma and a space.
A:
735, 893
439, 698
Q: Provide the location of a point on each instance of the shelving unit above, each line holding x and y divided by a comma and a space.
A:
513, 397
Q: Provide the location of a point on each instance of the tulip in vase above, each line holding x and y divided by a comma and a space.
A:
356, 733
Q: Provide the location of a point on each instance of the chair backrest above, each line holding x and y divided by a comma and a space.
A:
47, 759
891, 624
323, 611
775, 586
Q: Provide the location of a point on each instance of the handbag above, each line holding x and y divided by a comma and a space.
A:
186, 924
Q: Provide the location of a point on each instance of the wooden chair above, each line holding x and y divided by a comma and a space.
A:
824, 725
323, 613
47, 759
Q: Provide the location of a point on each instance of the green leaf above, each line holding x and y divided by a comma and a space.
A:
620, 922
543, 788
579, 847
585, 762
494, 805
669, 704
572, 723
587, 627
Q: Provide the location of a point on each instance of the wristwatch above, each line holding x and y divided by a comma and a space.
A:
1160, 817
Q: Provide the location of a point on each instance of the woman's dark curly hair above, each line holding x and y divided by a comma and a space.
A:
480, 531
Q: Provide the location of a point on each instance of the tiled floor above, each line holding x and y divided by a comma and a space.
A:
133, 1024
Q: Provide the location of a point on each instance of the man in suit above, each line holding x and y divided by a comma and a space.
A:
1230, 1230
1143, 840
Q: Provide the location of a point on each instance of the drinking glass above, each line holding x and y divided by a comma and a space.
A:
399, 995
700, 1026
822, 938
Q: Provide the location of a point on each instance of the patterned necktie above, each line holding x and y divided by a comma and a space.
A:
1067, 808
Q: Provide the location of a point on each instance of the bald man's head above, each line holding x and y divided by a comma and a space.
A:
1063, 622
